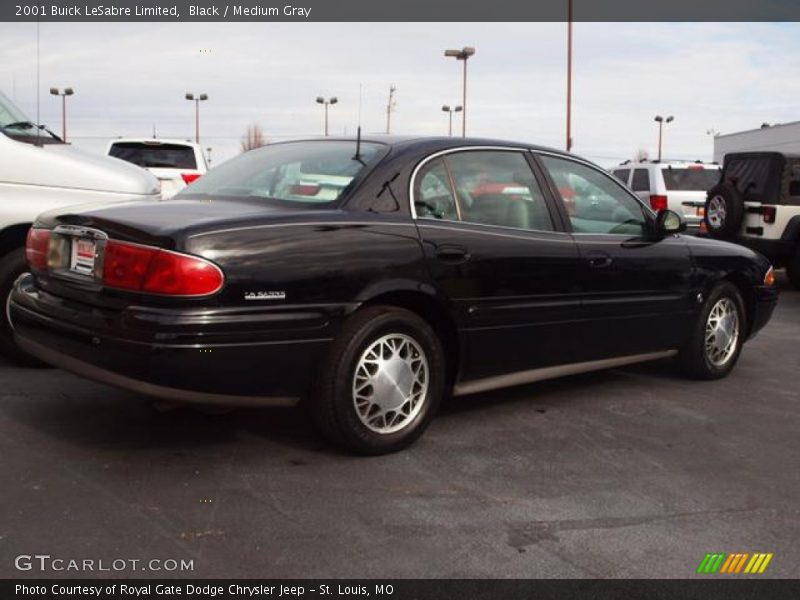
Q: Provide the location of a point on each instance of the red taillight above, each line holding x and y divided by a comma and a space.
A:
156, 271
36, 248
125, 265
189, 177
304, 189
180, 275
658, 203
768, 213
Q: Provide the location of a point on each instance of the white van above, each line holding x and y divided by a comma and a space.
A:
39, 172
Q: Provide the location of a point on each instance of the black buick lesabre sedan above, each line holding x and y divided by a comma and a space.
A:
372, 277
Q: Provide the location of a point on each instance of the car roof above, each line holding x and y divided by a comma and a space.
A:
433, 142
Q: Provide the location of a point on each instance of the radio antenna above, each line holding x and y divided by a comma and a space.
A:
358, 146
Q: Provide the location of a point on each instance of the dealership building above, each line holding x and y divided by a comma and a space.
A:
781, 137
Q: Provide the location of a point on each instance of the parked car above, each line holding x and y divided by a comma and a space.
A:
175, 163
680, 186
39, 172
444, 266
757, 204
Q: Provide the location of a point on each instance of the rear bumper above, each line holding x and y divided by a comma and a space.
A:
264, 357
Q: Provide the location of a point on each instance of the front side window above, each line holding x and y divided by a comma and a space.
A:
498, 188
594, 202
314, 174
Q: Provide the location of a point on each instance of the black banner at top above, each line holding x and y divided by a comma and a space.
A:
399, 10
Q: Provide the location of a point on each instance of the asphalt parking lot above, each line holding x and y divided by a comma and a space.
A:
627, 473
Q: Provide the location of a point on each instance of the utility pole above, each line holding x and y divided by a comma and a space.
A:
390, 107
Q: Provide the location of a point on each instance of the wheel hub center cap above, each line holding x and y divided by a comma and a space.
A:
393, 383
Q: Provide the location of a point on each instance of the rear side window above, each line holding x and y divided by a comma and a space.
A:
690, 179
166, 156
433, 194
498, 188
641, 181
622, 175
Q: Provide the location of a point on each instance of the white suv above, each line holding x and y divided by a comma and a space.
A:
677, 185
174, 162
39, 172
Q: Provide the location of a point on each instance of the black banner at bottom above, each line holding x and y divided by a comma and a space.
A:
403, 589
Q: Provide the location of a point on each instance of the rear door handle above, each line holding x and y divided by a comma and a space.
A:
598, 261
452, 254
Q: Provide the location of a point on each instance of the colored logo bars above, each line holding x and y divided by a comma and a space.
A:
720, 562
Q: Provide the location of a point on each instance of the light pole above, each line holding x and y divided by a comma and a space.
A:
464, 55
197, 99
446, 108
569, 75
67, 92
326, 103
661, 120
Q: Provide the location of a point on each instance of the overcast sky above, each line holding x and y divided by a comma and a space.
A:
130, 76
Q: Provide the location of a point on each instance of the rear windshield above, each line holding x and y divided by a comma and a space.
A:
167, 156
311, 173
751, 174
688, 179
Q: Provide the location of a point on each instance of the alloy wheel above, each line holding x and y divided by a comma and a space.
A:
716, 212
390, 383
722, 332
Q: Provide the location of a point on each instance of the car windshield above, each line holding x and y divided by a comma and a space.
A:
311, 173
155, 154
14, 123
686, 179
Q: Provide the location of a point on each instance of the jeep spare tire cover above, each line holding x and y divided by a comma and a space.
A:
724, 210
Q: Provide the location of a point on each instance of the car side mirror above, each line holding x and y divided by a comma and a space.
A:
669, 222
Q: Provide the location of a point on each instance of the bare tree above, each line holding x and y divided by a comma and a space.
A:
254, 138
641, 155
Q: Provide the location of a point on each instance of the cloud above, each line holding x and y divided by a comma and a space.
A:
131, 76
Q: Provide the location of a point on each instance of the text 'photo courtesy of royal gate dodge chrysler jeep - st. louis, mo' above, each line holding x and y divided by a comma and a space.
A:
366, 279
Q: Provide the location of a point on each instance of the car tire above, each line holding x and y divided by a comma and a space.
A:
717, 336
381, 383
12, 265
793, 270
724, 211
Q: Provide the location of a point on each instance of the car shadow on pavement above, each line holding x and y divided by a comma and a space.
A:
82, 412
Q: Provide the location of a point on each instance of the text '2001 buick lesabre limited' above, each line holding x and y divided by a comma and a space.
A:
371, 277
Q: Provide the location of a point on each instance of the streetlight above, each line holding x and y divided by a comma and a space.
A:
446, 108
569, 75
326, 103
661, 120
67, 92
464, 55
197, 99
